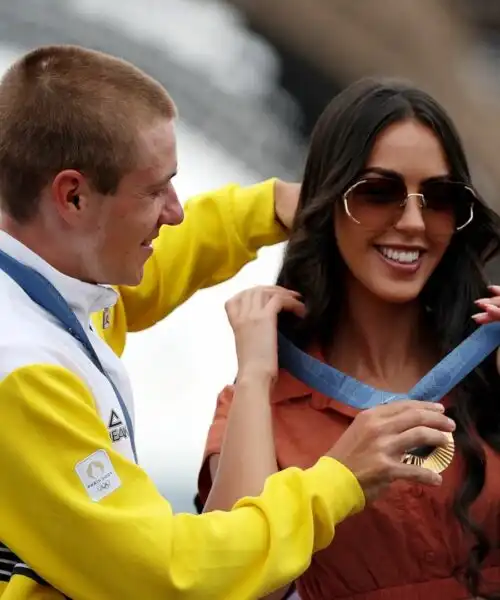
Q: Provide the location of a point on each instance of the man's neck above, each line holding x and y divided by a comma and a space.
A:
39, 240
382, 344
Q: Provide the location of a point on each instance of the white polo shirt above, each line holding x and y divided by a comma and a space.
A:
29, 335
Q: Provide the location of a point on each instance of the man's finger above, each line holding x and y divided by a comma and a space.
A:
420, 417
401, 406
415, 474
418, 437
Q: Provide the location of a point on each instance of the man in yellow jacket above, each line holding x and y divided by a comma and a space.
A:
221, 232
87, 157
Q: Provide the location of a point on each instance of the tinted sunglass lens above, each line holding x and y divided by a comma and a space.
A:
452, 199
376, 202
380, 191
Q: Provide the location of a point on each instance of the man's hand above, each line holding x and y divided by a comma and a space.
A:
286, 198
372, 447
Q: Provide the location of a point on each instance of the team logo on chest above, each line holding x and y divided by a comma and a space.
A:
117, 428
106, 318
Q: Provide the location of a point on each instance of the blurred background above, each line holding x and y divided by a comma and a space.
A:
250, 78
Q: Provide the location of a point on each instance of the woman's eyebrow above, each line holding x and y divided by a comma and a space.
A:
396, 175
381, 171
445, 177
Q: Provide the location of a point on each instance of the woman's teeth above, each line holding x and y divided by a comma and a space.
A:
401, 256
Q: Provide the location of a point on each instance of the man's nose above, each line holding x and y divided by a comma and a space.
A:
172, 213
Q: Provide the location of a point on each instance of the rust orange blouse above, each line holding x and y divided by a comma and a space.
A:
405, 546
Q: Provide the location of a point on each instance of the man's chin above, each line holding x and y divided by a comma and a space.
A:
128, 278
133, 279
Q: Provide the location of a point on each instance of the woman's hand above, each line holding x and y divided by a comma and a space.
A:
253, 316
490, 308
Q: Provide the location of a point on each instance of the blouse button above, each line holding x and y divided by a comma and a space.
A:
418, 491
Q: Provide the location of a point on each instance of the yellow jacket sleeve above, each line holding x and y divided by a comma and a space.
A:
129, 545
221, 232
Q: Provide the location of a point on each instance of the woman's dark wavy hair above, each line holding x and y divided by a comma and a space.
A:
340, 147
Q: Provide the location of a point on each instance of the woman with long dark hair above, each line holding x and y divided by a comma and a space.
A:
388, 251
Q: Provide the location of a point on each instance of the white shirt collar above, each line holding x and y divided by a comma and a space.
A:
83, 298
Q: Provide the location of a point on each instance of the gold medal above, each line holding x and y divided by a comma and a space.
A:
432, 458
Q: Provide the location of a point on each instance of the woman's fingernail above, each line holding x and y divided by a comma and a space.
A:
485, 304
479, 316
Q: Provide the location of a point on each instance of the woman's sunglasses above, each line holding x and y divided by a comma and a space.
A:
379, 202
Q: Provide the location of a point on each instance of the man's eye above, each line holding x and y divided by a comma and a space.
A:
158, 193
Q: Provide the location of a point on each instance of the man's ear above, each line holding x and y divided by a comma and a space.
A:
69, 190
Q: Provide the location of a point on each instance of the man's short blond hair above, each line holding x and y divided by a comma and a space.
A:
66, 107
